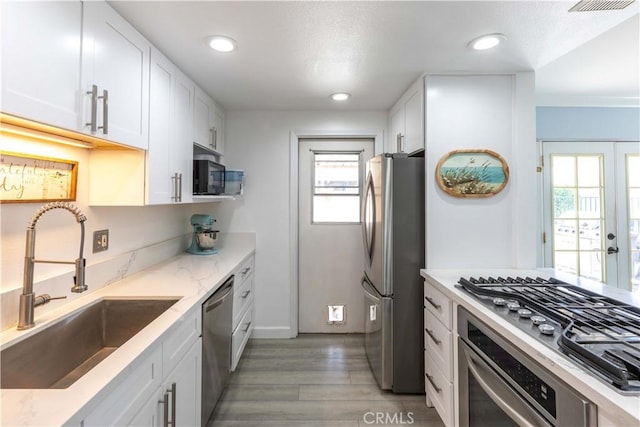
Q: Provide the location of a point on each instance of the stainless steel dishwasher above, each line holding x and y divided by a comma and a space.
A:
217, 319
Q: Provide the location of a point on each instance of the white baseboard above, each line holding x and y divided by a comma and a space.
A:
272, 332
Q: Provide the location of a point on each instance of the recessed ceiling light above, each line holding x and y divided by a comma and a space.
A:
487, 41
340, 96
222, 43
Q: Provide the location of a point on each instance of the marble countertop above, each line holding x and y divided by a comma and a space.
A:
619, 409
191, 278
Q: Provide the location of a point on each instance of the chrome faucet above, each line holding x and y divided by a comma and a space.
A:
28, 300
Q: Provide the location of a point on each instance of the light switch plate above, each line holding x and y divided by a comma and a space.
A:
100, 241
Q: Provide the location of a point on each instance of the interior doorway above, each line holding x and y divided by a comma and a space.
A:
592, 210
330, 246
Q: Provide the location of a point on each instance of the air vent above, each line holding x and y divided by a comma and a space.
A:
596, 5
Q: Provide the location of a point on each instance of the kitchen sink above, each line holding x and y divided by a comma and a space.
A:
61, 354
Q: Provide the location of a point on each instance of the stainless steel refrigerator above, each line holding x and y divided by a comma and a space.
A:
393, 231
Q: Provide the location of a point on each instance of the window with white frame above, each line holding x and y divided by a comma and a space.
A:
336, 187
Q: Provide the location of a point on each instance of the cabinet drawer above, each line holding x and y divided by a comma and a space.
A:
242, 298
125, 401
240, 337
438, 344
439, 391
179, 340
243, 272
438, 304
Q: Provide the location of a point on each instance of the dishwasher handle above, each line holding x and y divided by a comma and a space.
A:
220, 295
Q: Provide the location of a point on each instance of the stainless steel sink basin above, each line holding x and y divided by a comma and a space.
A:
59, 355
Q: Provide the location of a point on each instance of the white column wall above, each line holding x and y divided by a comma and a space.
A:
494, 112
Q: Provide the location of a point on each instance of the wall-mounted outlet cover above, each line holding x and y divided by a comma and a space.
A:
336, 314
100, 241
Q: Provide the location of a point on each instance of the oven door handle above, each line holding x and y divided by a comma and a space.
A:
516, 408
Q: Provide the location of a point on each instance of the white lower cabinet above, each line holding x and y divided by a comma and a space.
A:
177, 402
164, 386
124, 402
438, 353
242, 310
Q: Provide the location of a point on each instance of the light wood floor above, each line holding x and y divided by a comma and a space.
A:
313, 380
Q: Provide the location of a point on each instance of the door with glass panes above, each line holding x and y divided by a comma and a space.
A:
330, 257
592, 210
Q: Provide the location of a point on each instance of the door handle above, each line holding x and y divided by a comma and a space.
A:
165, 403
94, 108
105, 112
611, 250
433, 303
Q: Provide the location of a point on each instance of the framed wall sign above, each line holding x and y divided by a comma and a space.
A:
472, 173
28, 179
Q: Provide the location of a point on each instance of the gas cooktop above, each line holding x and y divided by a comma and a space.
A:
600, 333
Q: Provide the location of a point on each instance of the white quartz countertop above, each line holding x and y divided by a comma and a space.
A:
621, 410
191, 278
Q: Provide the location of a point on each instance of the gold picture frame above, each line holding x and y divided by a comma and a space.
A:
472, 173
26, 178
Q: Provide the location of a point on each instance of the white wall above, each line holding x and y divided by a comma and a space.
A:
259, 143
482, 112
58, 234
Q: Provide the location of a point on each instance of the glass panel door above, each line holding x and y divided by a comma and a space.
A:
579, 209
628, 185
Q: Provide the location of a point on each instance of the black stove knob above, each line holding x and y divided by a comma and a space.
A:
513, 306
500, 302
546, 329
524, 313
538, 320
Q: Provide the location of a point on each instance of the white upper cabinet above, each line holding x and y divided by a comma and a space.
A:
181, 151
115, 77
161, 185
406, 121
208, 123
41, 61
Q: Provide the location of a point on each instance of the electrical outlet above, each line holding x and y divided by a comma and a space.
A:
100, 241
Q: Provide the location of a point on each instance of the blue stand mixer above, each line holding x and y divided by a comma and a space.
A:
204, 236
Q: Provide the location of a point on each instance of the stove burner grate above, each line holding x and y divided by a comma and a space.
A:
601, 332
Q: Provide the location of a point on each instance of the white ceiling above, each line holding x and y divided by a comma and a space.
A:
293, 54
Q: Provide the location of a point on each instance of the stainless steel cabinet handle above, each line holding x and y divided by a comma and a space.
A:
211, 137
245, 270
245, 294
174, 182
105, 112
246, 327
215, 138
432, 336
433, 384
400, 143
94, 108
180, 187
433, 303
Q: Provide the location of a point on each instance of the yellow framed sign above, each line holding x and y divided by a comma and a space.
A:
26, 178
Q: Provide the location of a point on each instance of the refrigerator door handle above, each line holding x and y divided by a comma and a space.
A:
368, 218
367, 286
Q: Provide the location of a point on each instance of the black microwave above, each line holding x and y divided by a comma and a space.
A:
208, 176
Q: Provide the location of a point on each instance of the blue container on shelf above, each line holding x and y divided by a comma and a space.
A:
234, 182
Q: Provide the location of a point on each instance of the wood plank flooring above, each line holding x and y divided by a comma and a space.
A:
314, 380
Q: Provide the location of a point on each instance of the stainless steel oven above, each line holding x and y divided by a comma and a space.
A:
499, 385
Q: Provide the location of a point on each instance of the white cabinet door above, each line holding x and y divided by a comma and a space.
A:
41, 61
406, 122
208, 125
413, 121
202, 129
396, 130
181, 151
115, 58
161, 185
217, 122
182, 389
